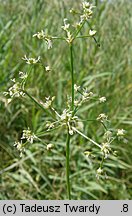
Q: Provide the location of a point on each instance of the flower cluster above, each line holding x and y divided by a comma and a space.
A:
99, 172
41, 35
102, 117
70, 120
106, 149
28, 135
120, 132
87, 10
68, 117
85, 95
65, 119
15, 90
85, 15
109, 137
65, 27
48, 102
20, 148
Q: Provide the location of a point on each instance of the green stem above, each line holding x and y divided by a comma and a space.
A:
79, 132
59, 38
97, 43
96, 2
101, 164
67, 166
36, 102
77, 32
72, 75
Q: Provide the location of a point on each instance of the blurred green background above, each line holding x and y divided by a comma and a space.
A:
106, 71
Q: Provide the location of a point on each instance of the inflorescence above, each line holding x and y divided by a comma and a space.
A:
68, 118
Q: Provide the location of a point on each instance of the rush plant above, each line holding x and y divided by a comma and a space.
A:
69, 118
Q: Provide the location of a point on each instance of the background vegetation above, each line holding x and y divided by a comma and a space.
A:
106, 70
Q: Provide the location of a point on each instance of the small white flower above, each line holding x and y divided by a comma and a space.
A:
87, 153
78, 24
71, 132
92, 32
102, 99
121, 132
76, 102
48, 102
69, 37
64, 115
49, 125
86, 95
13, 80
20, 148
99, 172
70, 120
72, 10
76, 88
23, 75
31, 60
87, 10
66, 25
85, 4
106, 149
49, 43
40, 35
102, 117
108, 136
50, 146
47, 68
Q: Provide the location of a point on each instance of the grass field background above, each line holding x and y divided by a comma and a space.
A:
106, 71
